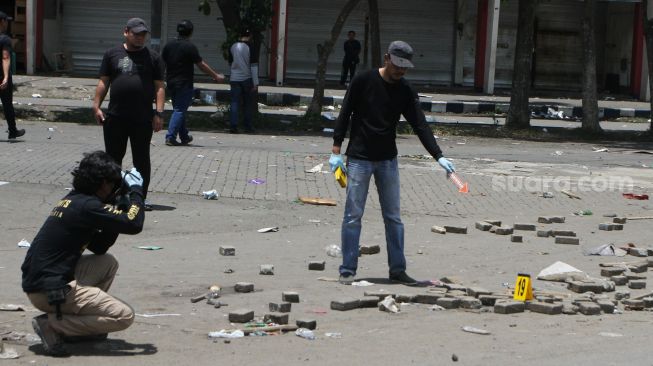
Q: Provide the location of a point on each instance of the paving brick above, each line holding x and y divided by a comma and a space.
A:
241, 316
634, 276
607, 306
493, 222
306, 323
490, 300
381, 294
619, 280
290, 296
266, 269
406, 298
569, 309
637, 284
244, 287
544, 233
369, 249
608, 226
280, 307
545, 307
563, 233
345, 304
544, 220
557, 219
368, 302
316, 265
448, 302
648, 302
516, 239
525, 227
631, 304
612, 271
438, 229
619, 220
428, 298
621, 295
509, 307
227, 250
279, 318
483, 226
503, 230
649, 262
477, 291
638, 268
455, 229
567, 240
589, 308
455, 287
580, 287
638, 252
470, 302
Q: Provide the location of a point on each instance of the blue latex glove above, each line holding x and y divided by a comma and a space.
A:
447, 165
336, 161
132, 178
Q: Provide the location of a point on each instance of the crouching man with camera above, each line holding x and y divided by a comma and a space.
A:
69, 287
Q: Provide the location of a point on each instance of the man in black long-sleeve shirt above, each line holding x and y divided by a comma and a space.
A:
352, 49
68, 286
372, 106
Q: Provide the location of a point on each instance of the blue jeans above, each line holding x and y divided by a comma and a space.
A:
386, 176
241, 89
181, 100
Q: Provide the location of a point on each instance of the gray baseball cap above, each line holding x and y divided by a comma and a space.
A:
401, 54
137, 25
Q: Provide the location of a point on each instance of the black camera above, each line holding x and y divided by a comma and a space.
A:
121, 193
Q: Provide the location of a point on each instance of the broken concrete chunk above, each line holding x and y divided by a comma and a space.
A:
368, 302
244, 287
406, 298
477, 291
469, 302
306, 323
619, 280
483, 226
456, 229
429, 298
455, 287
621, 295
562, 233
290, 296
551, 219
632, 276
509, 307
241, 316
631, 304
638, 267
637, 284
612, 271
448, 302
569, 309
567, 240
266, 269
525, 227
227, 250
638, 252
585, 286
279, 318
490, 300
438, 229
607, 306
381, 294
619, 220
589, 308
493, 222
504, 230
281, 307
316, 265
545, 308
544, 233
345, 304
516, 239
369, 249
648, 302
610, 226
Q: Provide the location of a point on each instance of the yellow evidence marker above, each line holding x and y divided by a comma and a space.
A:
341, 177
523, 288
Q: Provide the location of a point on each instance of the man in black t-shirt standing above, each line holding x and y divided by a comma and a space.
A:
6, 84
352, 49
135, 75
372, 106
180, 56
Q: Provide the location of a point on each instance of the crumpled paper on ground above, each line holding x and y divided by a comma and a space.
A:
561, 272
223, 333
389, 304
606, 250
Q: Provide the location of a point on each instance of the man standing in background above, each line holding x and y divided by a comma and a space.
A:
352, 50
6, 85
180, 56
243, 82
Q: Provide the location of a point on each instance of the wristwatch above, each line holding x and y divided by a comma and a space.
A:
158, 114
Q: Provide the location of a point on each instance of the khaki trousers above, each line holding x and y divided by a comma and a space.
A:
88, 309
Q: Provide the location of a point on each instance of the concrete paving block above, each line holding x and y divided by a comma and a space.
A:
470, 302
580, 287
266, 269
483, 226
608, 226
227, 250
438, 229
558, 219
569, 309
634, 276
369, 249
455, 229
621, 295
638, 268
638, 252
504, 230
279, 318
290, 296
241, 316
607, 306
448, 302
612, 271
345, 304
563, 233
619, 220
589, 308
516, 238
428, 298
381, 294
631, 304
316, 265
493, 222
649, 261
544, 220
280, 307
619, 280
455, 287
306, 323
509, 307
545, 307
648, 302
544, 233
567, 240
525, 227
637, 284
490, 300
477, 291
244, 287
368, 302
405, 298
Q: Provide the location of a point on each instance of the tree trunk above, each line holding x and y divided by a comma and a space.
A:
519, 114
590, 97
323, 52
375, 33
648, 34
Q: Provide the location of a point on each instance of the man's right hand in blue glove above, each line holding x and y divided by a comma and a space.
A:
336, 161
447, 165
133, 178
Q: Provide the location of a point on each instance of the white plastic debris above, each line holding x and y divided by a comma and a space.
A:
330, 108
273, 229
611, 335
305, 333
561, 272
328, 130
333, 250
606, 250
36, 96
470, 329
210, 195
362, 283
24, 244
436, 308
315, 169
7, 353
159, 315
223, 333
389, 304
336, 335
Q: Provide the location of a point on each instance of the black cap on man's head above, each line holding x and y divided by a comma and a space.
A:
401, 54
4, 16
137, 25
185, 27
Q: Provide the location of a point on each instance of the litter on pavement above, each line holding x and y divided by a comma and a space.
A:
24, 244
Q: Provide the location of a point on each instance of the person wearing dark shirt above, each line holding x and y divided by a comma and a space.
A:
6, 83
180, 57
135, 75
371, 110
69, 287
352, 50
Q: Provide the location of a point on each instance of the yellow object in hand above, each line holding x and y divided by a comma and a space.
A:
341, 177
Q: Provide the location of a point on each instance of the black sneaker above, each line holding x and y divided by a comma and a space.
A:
346, 278
187, 141
87, 338
172, 142
403, 278
18, 133
51, 340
